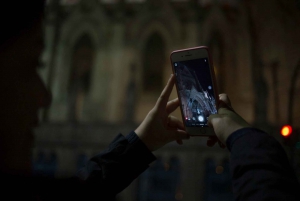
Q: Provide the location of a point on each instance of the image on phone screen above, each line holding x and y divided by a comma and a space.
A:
195, 88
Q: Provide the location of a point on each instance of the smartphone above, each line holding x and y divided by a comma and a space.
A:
196, 88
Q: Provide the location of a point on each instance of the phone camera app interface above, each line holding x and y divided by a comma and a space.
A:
195, 90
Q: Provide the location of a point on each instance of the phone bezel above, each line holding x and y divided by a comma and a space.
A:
191, 54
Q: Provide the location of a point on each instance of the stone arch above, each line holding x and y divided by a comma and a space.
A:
81, 67
169, 31
153, 28
69, 38
216, 23
153, 58
162, 20
218, 36
216, 45
73, 29
236, 61
157, 27
152, 19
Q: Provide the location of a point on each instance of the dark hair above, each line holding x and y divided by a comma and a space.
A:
17, 16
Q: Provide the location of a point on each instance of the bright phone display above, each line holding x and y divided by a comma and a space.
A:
196, 91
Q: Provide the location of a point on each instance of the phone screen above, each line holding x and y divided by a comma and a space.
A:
196, 91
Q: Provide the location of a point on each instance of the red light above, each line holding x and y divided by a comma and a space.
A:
286, 130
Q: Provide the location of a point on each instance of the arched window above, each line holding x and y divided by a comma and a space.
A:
161, 181
39, 164
296, 115
153, 62
216, 47
45, 165
131, 95
81, 160
217, 181
82, 63
294, 85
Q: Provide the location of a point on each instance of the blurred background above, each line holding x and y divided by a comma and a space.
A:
106, 62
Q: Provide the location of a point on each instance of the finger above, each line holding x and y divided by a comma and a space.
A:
172, 105
211, 141
213, 119
178, 135
164, 96
221, 145
225, 111
224, 101
179, 142
175, 123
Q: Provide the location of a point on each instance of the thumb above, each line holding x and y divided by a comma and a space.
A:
213, 120
224, 102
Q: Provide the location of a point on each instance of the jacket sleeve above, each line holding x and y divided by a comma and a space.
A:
114, 169
260, 168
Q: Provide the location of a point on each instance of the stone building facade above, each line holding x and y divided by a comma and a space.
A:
106, 62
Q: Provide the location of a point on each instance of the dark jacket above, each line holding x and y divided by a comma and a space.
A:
115, 168
260, 168
103, 177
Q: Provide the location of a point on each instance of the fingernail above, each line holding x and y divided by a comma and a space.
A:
170, 76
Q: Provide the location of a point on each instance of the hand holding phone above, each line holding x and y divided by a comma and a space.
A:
160, 127
226, 121
196, 88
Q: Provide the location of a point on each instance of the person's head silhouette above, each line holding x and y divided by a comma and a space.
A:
22, 90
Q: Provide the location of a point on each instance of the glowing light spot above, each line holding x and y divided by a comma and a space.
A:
219, 169
286, 130
200, 118
179, 196
167, 166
